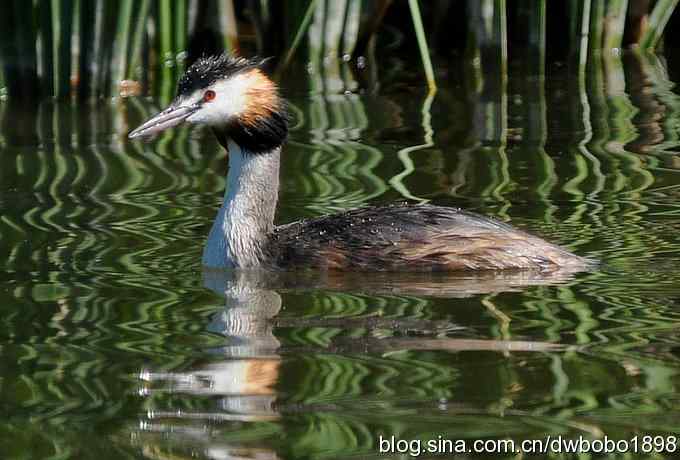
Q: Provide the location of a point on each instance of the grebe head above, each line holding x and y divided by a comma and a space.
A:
234, 97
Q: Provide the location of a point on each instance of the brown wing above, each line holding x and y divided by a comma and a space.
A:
412, 238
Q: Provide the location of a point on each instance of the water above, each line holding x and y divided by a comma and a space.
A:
116, 344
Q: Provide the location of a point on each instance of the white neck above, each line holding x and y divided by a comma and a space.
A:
246, 217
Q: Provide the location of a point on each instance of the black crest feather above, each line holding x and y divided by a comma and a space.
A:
208, 69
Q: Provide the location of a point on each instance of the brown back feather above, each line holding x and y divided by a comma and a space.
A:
412, 238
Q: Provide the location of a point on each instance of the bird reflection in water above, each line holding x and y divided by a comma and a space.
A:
242, 383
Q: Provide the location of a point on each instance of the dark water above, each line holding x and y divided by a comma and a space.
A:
115, 344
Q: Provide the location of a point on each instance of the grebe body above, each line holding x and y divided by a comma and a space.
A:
242, 106
412, 237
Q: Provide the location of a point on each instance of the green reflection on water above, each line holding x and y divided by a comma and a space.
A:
116, 345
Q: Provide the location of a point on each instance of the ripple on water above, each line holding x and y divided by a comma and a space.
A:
111, 333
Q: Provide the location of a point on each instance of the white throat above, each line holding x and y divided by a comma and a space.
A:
246, 218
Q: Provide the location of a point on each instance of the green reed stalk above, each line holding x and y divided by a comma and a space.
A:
316, 53
181, 26
181, 34
350, 32
333, 22
62, 26
533, 14
615, 22
579, 13
301, 30
596, 28
350, 35
537, 33
120, 52
138, 38
165, 22
487, 54
228, 24
422, 43
167, 57
657, 23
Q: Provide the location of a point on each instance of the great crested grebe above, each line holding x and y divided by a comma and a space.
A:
242, 105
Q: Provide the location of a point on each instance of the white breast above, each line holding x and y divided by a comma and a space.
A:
246, 216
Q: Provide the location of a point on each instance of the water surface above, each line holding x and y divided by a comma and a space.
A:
116, 344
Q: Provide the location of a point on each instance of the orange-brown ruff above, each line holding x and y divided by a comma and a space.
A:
241, 104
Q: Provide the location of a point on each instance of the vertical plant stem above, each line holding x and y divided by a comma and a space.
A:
350, 32
422, 43
534, 71
657, 23
614, 24
165, 17
332, 43
181, 25
316, 52
228, 25
488, 48
580, 36
595, 32
138, 38
167, 58
181, 31
301, 30
122, 40
98, 50
350, 35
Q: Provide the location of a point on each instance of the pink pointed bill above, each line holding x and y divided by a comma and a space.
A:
172, 116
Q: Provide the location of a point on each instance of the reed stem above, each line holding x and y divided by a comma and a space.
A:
422, 44
228, 25
301, 30
167, 56
614, 24
595, 31
40, 38
657, 23
122, 40
138, 38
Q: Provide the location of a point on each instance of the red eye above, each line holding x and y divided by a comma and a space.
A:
209, 95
